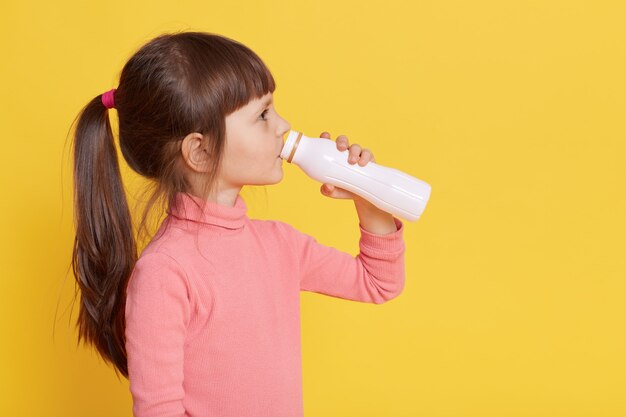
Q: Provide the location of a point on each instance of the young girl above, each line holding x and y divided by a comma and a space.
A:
206, 321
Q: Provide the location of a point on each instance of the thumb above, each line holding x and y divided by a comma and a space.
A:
332, 191
327, 189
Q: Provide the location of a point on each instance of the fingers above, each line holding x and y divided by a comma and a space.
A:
366, 156
355, 154
342, 142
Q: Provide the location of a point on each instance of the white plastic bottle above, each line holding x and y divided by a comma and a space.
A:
387, 188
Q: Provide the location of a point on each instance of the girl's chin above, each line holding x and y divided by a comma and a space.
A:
282, 174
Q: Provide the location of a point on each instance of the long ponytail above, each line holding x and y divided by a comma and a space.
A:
105, 251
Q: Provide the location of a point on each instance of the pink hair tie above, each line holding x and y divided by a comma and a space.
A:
107, 99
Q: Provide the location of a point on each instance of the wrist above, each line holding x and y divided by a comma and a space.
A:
373, 219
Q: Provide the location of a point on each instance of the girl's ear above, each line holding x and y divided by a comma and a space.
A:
195, 152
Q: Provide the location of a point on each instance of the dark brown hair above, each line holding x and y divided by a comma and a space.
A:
176, 84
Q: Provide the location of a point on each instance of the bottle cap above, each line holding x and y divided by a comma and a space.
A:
291, 144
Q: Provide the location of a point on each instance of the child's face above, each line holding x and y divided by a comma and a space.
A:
254, 139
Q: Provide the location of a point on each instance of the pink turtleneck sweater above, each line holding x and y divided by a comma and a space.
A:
213, 309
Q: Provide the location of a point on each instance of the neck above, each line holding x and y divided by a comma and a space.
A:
224, 195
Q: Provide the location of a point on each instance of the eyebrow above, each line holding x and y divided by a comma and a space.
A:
266, 103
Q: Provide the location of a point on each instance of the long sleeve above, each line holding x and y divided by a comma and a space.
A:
375, 275
157, 315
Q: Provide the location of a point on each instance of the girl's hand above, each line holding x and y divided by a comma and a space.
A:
356, 155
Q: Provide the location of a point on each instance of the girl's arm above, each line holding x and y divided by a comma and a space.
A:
157, 315
376, 275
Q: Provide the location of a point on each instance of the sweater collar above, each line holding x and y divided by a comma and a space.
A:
187, 207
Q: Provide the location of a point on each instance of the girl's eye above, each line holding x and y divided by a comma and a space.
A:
262, 114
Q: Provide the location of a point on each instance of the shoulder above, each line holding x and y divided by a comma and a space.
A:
170, 245
152, 256
160, 269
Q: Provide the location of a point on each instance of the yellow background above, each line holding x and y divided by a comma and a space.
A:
513, 111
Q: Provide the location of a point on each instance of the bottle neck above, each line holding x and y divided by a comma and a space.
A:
294, 147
